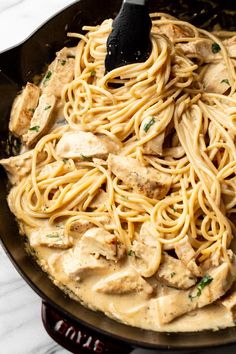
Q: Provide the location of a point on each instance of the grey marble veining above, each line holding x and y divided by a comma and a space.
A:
21, 328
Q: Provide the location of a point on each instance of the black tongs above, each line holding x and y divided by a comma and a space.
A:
129, 41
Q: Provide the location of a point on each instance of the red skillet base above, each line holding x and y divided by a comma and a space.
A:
78, 339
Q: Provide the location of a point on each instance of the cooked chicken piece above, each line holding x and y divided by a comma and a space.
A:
100, 199
144, 180
229, 301
80, 226
147, 234
155, 145
215, 78
99, 242
145, 251
174, 32
176, 151
83, 146
11, 198
209, 289
230, 44
185, 253
23, 109
203, 48
111, 144
142, 258
19, 166
173, 272
214, 260
60, 72
123, 282
158, 125
99, 162
52, 237
78, 265
57, 168
42, 120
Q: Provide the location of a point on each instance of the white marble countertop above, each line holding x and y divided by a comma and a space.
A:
21, 329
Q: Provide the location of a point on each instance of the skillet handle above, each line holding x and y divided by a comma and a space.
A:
79, 339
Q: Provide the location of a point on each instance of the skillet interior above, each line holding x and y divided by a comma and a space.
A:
31, 58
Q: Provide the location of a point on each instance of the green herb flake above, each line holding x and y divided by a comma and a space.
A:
55, 235
35, 128
62, 62
206, 280
172, 274
31, 110
47, 107
226, 81
215, 48
47, 77
131, 253
92, 73
174, 209
148, 125
85, 158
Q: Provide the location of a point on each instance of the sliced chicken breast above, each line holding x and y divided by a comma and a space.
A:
19, 166
83, 146
60, 72
42, 120
99, 242
174, 273
144, 180
204, 48
174, 32
79, 266
52, 237
212, 286
186, 254
215, 78
124, 282
23, 109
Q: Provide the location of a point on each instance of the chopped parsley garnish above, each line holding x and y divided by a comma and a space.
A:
226, 81
172, 274
35, 128
31, 110
56, 235
207, 279
62, 62
70, 56
148, 125
92, 73
48, 76
174, 209
47, 107
215, 48
130, 253
85, 158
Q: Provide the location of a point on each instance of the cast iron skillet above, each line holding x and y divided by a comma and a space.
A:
85, 331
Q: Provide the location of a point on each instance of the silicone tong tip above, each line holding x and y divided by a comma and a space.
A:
129, 41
